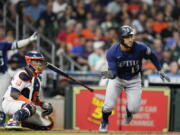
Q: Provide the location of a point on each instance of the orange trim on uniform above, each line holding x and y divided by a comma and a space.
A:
23, 98
36, 58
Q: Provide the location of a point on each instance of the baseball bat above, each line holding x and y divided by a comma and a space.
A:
58, 70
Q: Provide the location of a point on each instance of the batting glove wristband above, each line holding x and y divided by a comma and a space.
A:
163, 76
47, 107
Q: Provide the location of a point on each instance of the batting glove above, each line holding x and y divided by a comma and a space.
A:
33, 37
107, 75
163, 76
47, 107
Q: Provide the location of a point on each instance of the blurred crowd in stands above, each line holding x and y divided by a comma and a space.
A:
85, 29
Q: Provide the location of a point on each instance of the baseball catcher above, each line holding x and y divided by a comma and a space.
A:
22, 97
4, 75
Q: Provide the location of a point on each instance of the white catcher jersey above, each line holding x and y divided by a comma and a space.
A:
26, 87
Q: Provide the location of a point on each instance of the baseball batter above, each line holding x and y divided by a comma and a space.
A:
22, 97
125, 65
4, 76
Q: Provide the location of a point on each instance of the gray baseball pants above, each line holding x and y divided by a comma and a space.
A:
132, 89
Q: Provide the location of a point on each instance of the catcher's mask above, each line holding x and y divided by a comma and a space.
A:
36, 60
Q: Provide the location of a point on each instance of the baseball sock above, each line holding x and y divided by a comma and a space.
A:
128, 112
105, 116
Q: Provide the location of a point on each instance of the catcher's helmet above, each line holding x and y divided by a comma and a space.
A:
126, 31
36, 60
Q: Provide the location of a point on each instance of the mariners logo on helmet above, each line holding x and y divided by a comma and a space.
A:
126, 31
36, 60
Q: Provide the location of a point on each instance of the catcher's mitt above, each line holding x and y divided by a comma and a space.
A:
48, 109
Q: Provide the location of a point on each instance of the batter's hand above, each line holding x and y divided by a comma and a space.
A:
107, 75
33, 37
47, 107
163, 76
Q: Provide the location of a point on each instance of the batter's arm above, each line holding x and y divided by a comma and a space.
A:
112, 64
155, 61
151, 55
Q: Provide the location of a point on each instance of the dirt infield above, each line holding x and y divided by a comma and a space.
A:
81, 132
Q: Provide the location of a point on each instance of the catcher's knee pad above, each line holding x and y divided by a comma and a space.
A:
30, 108
21, 114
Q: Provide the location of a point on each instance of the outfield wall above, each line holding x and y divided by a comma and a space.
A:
153, 116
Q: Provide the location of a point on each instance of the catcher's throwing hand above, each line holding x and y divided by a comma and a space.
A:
107, 75
163, 76
33, 37
47, 107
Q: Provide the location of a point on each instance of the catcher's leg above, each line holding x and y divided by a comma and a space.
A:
25, 111
38, 122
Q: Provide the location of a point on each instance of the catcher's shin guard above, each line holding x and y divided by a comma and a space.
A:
39, 127
26, 111
20, 115
38, 122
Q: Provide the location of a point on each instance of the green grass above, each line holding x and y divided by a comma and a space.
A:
23, 133
31, 133
51, 133
78, 133
74, 132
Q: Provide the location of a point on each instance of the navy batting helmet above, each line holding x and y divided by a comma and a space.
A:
126, 31
38, 58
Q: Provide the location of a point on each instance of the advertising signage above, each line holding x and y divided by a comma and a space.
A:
153, 114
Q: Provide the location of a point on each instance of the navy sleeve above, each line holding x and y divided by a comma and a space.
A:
14, 90
112, 65
152, 56
155, 61
23, 76
6, 45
